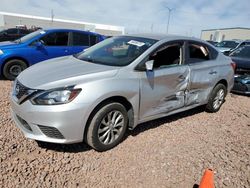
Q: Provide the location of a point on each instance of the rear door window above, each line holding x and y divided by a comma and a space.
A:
23, 31
93, 40
55, 39
168, 55
80, 39
198, 52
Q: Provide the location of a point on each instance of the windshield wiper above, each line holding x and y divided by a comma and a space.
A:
89, 59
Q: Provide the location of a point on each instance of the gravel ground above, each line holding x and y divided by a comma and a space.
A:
170, 152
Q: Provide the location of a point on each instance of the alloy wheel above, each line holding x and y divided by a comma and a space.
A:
218, 100
111, 127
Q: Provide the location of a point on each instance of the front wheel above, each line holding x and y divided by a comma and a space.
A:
13, 68
107, 127
217, 98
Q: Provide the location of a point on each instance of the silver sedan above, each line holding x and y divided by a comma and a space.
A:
96, 95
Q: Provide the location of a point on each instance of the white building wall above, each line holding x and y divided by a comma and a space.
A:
10, 20
226, 34
1, 21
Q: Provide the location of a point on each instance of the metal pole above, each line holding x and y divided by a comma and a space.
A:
169, 13
52, 15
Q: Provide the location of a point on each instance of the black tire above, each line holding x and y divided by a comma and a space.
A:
94, 133
13, 68
218, 90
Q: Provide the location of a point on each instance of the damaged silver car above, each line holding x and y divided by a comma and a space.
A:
96, 95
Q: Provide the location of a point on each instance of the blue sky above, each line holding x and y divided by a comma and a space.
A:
187, 17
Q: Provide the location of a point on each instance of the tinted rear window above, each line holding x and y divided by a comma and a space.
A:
12, 31
80, 39
93, 40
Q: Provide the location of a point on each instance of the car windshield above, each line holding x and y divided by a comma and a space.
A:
29, 36
116, 51
227, 44
243, 51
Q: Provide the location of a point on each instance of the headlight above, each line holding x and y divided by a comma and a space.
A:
1, 52
56, 96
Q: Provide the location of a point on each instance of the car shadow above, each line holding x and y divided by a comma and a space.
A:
234, 94
68, 148
2, 78
168, 119
83, 147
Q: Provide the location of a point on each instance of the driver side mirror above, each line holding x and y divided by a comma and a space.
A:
38, 44
149, 65
226, 53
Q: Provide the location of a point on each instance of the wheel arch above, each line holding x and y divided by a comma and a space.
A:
221, 81
119, 99
211, 98
224, 82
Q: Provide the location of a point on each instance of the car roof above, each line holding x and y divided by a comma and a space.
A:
70, 30
163, 37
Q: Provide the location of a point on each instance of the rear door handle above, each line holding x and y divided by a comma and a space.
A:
181, 78
213, 72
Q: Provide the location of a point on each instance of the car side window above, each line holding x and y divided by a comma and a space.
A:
80, 39
168, 55
23, 31
55, 39
93, 40
198, 53
12, 31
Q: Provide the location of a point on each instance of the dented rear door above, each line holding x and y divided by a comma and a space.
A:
203, 74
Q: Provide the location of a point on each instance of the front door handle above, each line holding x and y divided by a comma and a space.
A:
213, 72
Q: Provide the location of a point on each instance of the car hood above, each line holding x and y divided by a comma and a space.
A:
8, 44
243, 63
64, 71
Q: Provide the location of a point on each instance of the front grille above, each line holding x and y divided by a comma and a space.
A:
23, 93
51, 132
20, 90
24, 123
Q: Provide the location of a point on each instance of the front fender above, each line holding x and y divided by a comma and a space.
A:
96, 92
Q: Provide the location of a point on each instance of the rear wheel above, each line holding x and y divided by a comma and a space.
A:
13, 68
217, 98
107, 127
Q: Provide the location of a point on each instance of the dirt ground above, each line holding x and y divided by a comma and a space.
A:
170, 152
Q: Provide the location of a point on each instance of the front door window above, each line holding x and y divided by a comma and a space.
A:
55, 39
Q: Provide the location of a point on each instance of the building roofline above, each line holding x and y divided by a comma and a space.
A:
226, 28
97, 26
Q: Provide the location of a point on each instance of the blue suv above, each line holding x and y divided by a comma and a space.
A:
41, 45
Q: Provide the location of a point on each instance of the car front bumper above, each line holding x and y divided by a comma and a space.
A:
56, 123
